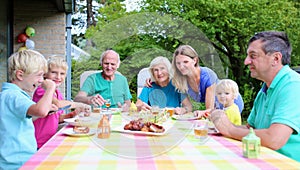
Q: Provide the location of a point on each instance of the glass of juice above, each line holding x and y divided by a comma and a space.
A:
201, 129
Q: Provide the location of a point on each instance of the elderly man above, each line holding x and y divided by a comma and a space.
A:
275, 113
107, 84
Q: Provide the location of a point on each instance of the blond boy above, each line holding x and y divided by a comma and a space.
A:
26, 70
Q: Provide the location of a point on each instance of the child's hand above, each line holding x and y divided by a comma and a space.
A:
87, 108
54, 107
48, 84
83, 108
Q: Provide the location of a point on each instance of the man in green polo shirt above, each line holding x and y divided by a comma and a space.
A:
275, 115
108, 84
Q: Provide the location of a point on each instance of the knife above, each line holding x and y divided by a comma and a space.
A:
61, 108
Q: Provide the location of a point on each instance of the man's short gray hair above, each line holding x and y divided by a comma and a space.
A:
107, 52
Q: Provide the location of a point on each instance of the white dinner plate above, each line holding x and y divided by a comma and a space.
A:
76, 121
115, 110
72, 122
70, 132
184, 117
212, 130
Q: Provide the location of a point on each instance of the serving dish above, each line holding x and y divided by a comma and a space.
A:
167, 126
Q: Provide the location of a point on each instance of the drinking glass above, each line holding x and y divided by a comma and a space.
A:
107, 104
170, 111
155, 112
96, 109
201, 129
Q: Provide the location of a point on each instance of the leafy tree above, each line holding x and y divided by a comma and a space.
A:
227, 26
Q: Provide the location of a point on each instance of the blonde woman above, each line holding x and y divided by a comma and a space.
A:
162, 92
198, 82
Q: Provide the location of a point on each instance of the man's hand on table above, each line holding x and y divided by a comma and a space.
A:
221, 122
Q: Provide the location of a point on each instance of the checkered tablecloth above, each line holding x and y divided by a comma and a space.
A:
178, 149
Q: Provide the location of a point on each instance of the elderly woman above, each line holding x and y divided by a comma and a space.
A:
162, 92
198, 82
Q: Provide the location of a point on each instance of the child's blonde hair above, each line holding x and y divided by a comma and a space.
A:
57, 61
228, 85
29, 61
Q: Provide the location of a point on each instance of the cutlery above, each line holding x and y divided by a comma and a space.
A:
61, 108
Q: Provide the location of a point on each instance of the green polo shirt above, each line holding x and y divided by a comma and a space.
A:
116, 90
280, 103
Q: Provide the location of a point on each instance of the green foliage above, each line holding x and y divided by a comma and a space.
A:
248, 96
197, 105
229, 25
226, 28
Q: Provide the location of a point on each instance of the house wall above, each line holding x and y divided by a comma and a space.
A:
49, 25
3, 41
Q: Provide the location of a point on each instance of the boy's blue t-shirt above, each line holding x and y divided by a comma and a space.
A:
17, 141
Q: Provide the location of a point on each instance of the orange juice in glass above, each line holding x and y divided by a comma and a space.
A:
170, 110
96, 109
201, 129
107, 104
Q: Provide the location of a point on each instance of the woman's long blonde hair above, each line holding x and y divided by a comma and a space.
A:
179, 80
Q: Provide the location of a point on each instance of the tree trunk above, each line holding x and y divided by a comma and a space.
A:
90, 17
